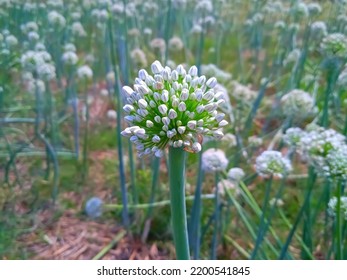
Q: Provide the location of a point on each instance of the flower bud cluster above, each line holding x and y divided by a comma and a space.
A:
272, 163
172, 107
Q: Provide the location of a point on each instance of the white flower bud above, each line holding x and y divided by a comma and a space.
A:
218, 134
211, 82
129, 119
174, 75
157, 119
149, 124
175, 86
165, 120
208, 95
181, 71
156, 67
223, 123
171, 133
192, 96
166, 75
127, 132
172, 114
202, 80
159, 153
156, 96
134, 138
200, 108
142, 104
196, 147
162, 109
128, 108
184, 95
199, 94
178, 143
211, 107
128, 91
181, 129
165, 96
140, 147
143, 74
140, 132
182, 106
143, 89
191, 124
155, 139
165, 128
193, 71
220, 117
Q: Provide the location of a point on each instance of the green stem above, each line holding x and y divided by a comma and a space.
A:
216, 221
109, 246
178, 206
262, 219
150, 206
85, 167
338, 230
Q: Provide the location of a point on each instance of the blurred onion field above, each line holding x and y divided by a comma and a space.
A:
95, 93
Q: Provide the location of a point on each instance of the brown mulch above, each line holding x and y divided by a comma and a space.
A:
72, 238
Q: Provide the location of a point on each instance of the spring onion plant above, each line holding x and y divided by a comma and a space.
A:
173, 109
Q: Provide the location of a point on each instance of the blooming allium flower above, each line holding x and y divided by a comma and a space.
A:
301, 9
214, 160
334, 44
69, 58
317, 144
46, 71
272, 163
158, 44
342, 79
314, 8
175, 44
36, 85
333, 204
93, 207
112, 114
319, 29
230, 139
211, 70
139, 57
298, 103
255, 141
56, 19
69, 47
336, 164
84, 72
292, 57
225, 184
32, 60
172, 108
236, 174
11, 41
78, 30
293, 136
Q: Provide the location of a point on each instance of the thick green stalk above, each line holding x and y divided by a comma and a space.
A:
178, 206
